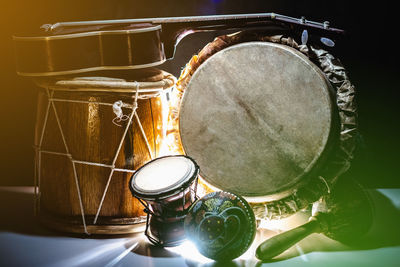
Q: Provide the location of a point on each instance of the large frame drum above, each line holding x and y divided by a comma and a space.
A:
267, 119
91, 135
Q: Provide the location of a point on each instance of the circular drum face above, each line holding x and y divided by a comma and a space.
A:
163, 176
257, 117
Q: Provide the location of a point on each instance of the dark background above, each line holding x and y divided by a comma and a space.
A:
370, 54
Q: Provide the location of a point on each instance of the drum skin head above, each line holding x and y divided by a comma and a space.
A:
256, 117
163, 177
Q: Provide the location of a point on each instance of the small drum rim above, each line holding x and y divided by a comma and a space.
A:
313, 165
179, 186
59, 224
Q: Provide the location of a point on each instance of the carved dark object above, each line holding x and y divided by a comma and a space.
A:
222, 225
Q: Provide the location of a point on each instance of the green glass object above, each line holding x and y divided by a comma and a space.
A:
222, 225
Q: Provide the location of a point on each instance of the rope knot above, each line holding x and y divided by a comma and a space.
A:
119, 114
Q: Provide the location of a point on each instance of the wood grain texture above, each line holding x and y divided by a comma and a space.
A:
91, 136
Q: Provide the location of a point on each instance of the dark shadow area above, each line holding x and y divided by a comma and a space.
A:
234, 263
384, 232
17, 216
145, 248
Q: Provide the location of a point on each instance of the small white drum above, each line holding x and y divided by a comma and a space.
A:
167, 187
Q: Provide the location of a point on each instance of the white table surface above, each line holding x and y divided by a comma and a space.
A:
24, 242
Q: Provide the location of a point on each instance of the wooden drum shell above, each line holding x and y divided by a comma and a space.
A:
89, 134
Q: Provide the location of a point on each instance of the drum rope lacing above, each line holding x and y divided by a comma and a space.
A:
117, 109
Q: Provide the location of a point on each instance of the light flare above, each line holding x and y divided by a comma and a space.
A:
189, 251
170, 143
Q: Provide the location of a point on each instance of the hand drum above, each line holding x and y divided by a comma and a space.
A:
261, 119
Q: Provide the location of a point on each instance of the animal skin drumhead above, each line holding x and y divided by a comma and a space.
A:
256, 117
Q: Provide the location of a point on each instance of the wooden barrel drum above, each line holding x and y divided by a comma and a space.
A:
261, 120
91, 135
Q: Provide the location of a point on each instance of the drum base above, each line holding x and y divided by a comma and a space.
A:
104, 226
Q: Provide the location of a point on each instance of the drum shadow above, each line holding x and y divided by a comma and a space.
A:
233, 263
16, 209
384, 232
145, 248
17, 216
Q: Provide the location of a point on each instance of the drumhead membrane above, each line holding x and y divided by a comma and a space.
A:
163, 176
257, 117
